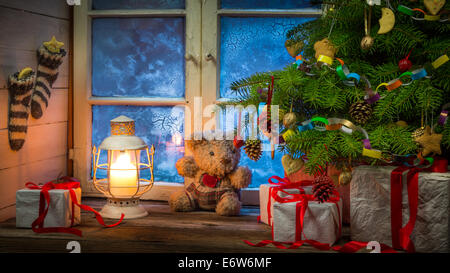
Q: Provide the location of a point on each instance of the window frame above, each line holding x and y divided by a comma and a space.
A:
83, 99
202, 72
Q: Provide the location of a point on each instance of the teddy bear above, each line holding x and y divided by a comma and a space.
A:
217, 178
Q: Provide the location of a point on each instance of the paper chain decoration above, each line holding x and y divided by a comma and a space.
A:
348, 127
352, 78
426, 17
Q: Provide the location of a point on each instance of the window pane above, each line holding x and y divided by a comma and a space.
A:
161, 126
138, 57
252, 44
137, 4
267, 4
265, 167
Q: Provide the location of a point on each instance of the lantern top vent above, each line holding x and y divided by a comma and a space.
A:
123, 136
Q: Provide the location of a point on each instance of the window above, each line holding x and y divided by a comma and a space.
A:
141, 58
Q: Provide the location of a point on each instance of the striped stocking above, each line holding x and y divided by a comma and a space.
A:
47, 73
20, 89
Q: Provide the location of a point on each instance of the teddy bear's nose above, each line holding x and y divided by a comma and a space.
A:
225, 160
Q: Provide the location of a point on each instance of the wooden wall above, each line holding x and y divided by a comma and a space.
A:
24, 25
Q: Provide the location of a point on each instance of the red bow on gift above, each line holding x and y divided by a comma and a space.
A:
69, 183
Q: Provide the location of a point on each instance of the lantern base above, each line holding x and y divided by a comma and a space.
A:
129, 207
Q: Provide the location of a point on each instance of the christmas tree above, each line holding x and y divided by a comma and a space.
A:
381, 70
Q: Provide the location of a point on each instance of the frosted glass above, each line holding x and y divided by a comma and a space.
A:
137, 4
253, 44
266, 4
160, 126
265, 167
138, 57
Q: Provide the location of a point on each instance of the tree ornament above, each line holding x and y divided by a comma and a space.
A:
289, 120
238, 143
345, 177
418, 133
323, 188
430, 142
387, 21
253, 149
360, 111
405, 64
293, 47
291, 165
324, 48
434, 6
20, 86
401, 123
367, 41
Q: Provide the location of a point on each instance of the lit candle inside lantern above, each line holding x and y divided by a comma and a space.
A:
123, 176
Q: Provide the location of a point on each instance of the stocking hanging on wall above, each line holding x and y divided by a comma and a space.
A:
50, 55
20, 86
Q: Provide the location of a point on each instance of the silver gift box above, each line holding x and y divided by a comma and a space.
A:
320, 223
370, 211
59, 212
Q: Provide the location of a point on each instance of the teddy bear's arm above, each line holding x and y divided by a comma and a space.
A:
186, 166
241, 177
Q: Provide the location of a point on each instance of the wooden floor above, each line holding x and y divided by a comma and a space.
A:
160, 231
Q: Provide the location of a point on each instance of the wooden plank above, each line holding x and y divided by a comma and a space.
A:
13, 179
56, 111
55, 8
42, 142
7, 212
12, 61
27, 31
21, 34
161, 231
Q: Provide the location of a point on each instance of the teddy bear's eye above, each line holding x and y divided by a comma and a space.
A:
211, 153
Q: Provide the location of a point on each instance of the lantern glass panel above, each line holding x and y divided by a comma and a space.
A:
123, 172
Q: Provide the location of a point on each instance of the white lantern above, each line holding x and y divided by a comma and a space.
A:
123, 185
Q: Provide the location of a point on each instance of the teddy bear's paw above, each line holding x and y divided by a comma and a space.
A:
241, 177
179, 201
186, 166
229, 205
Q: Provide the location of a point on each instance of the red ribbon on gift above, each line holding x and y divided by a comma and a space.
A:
401, 236
281, 184
301, 206
44, 204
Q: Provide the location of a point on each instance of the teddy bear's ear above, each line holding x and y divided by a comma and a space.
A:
194, 144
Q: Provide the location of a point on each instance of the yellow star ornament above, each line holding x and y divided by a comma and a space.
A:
430, 142
53, 45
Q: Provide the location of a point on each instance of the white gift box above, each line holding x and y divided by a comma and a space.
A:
59, 212
264, 197
322, 222
370, 211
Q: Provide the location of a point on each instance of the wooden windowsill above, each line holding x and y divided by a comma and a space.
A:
160, 231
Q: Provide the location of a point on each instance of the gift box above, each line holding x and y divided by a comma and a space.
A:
321, 222
344, 190
283, 185
408, 214
60, 210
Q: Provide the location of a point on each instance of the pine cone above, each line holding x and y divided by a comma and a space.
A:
323, 188
360, 111
253, 149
